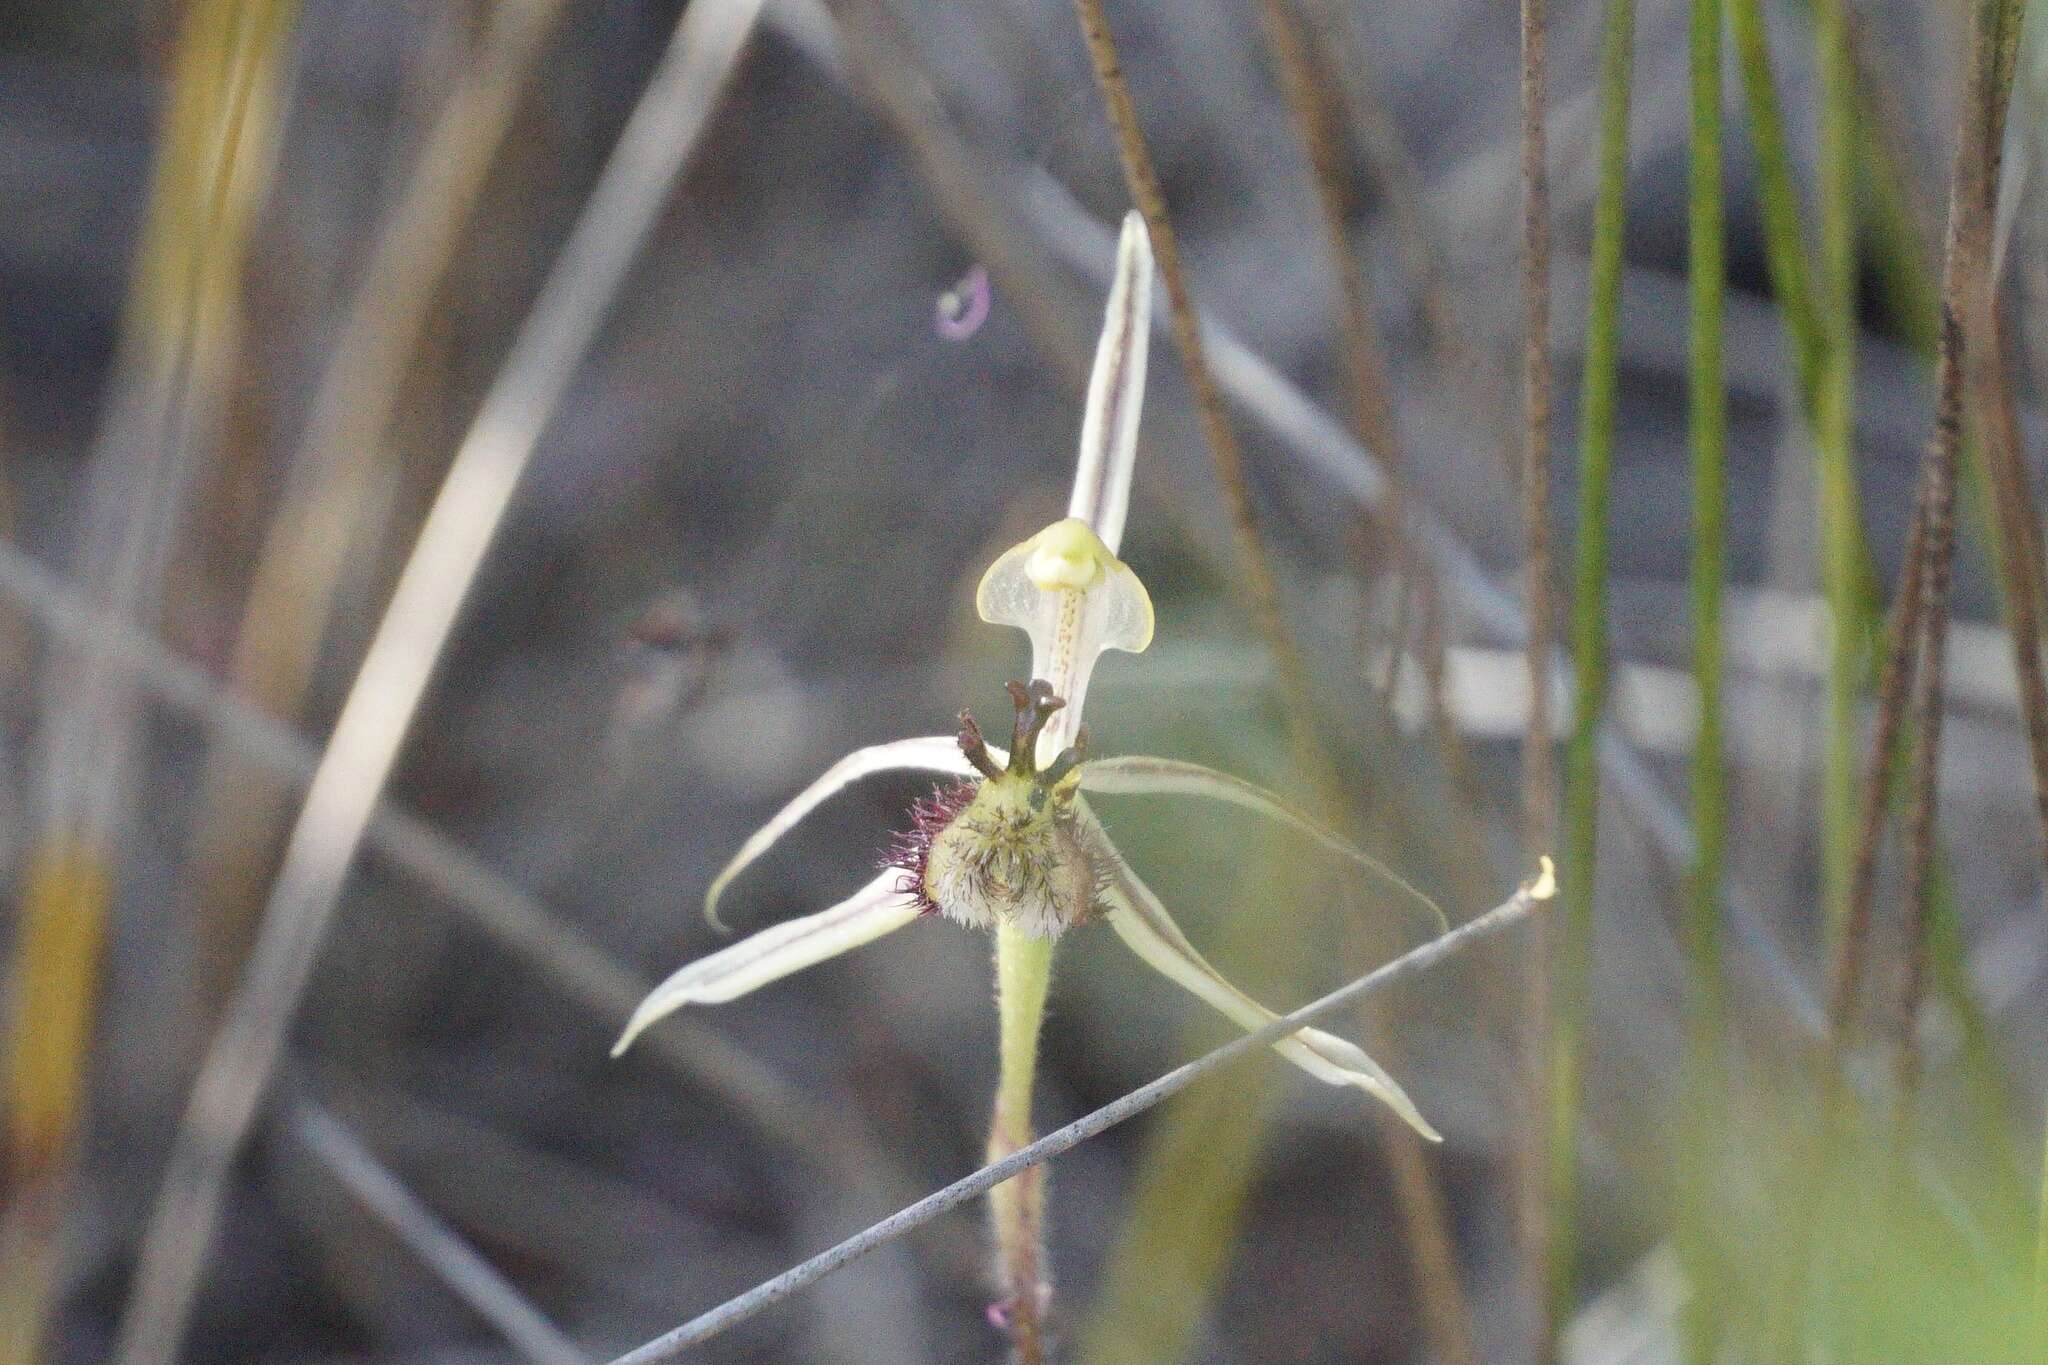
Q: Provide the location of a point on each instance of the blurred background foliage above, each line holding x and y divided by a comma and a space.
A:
260, 265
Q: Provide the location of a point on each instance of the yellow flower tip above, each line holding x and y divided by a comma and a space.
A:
1545, 885
1067, 554
1027, 586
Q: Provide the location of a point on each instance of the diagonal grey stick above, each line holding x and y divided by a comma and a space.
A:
707, 1325
643, 167
453, 1260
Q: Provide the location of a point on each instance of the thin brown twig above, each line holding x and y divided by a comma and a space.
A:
1426, 1214
1846, 972
1363, 350
1446, 1309
1394, 175
1336, 62
883, 65
1539, 780
1965, 295
1539, 762
1896, 675
1894, 683
1142, 178
1422, 1201
2021, 565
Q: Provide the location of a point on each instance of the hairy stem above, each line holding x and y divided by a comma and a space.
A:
1017, 1208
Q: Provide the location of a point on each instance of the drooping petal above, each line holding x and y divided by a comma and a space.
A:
930, 753
1116, 392
876, 909
1142, 922
1142, 775
1074, 598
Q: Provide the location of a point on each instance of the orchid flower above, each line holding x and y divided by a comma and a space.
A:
1012, 841
1011, 844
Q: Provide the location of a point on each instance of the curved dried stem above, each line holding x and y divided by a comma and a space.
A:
1141, 775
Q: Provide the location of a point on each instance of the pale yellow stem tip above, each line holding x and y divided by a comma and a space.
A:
1545, 885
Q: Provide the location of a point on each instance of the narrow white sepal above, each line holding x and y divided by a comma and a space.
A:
1142, 775
876, 909
1139, 918
1116, 391
930, 753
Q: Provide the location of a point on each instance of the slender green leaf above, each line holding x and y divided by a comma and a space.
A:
1597, 405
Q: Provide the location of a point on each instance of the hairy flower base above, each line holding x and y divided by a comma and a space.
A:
1005, 849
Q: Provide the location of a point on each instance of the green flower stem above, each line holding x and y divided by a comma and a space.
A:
1017, 1207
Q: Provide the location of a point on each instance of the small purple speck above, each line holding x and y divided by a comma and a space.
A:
961, 310
999, 1316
